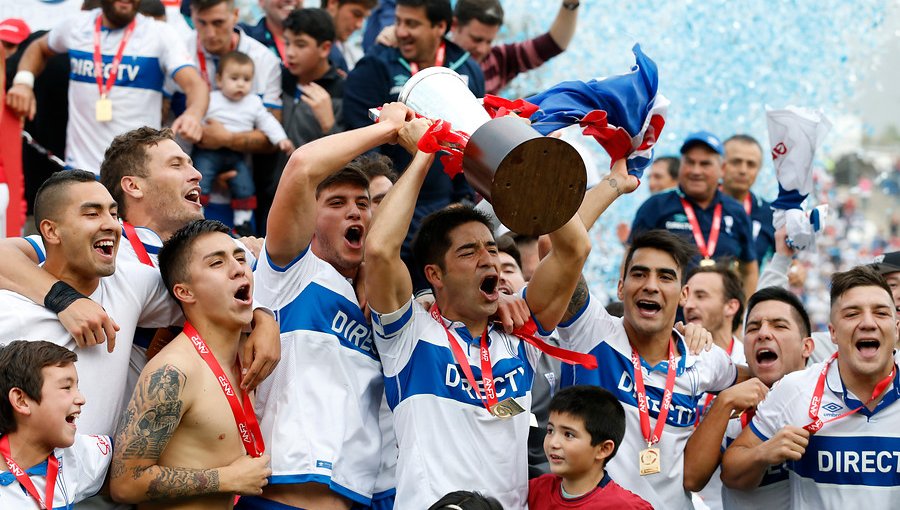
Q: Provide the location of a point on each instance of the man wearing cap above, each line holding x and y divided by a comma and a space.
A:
12, 32
697, 210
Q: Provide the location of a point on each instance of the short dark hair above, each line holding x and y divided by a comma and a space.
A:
435, 10
432, 241
175, 254
234, 57
376, 164
489, 12
350, 174
665, 241
466, 500
672, 165
601, 412
21, 363
743, 138
859, 276
153, 8
127, 156
787, 297
505, 244
368, 4
202, 5
615, 308
52, 192
732, 288
316, 23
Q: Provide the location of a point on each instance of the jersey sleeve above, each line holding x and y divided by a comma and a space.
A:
275, 286
396, 333
174, 55
158, 308
718, 371
37, 242
775, 273
267, 123
59, 37
772, 413
588, 328
92, 457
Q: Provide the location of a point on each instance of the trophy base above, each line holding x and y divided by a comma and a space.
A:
535, 183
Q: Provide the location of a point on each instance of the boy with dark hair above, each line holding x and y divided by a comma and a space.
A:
188, 393
39, 447
584, 432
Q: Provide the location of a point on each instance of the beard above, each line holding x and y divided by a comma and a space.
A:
116, 18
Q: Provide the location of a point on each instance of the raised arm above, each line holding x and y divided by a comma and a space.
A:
189, 124
388, 283
563, 28
20, 96
704, 448
155, 410
292, 219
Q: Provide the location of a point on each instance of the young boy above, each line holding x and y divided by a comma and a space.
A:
586, 426
44, 463
238, 110
182, 441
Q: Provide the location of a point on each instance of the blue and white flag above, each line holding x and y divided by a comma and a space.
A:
624, 113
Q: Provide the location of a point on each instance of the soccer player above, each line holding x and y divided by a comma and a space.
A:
715, 300
319, 411
775, 344
835, 423
188, 436
585, 429
48, 463
431, 359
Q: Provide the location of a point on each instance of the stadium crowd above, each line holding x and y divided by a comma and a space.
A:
242, 292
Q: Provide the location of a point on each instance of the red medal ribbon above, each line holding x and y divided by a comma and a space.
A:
136, 244
706, 250
201, 58
746, 417
22, 476
644, 401
748, 205
438, 59
117, 59
279, 45
244, 417
816, 402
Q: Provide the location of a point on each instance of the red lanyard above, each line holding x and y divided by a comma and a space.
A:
117, 59
136, 244
279, 46
706, 251
748, 205
438, 60
746, 417
244, 417
22, 477
644, 402
816, 402
487, 373
201, 58
710, 396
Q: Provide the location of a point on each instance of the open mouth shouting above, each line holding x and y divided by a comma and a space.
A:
488, 287
766, 357
105, 247
354, 236
868, 348
242, 295
648, 308
193, 196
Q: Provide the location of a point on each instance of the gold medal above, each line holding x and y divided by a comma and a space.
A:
104, 109
707, 262
507, 408
648, 461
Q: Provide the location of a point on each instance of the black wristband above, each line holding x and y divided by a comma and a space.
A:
60, 296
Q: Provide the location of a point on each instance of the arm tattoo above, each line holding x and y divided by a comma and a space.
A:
579, 298
153, 414
179, 483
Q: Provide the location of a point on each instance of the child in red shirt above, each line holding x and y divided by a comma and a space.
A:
586, 425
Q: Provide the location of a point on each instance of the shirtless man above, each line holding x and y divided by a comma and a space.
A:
181, 443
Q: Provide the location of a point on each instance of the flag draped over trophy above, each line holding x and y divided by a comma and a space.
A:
624, 113
794, 135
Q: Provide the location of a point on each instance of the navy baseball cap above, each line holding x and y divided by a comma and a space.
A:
887, 263
703, 138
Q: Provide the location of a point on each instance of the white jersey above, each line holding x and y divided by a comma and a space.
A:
774, 490
266, 68
596, 332
133, 296
440, 420
82, 469
853, 462
153, 52
244, 114
319, 410
712, 493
